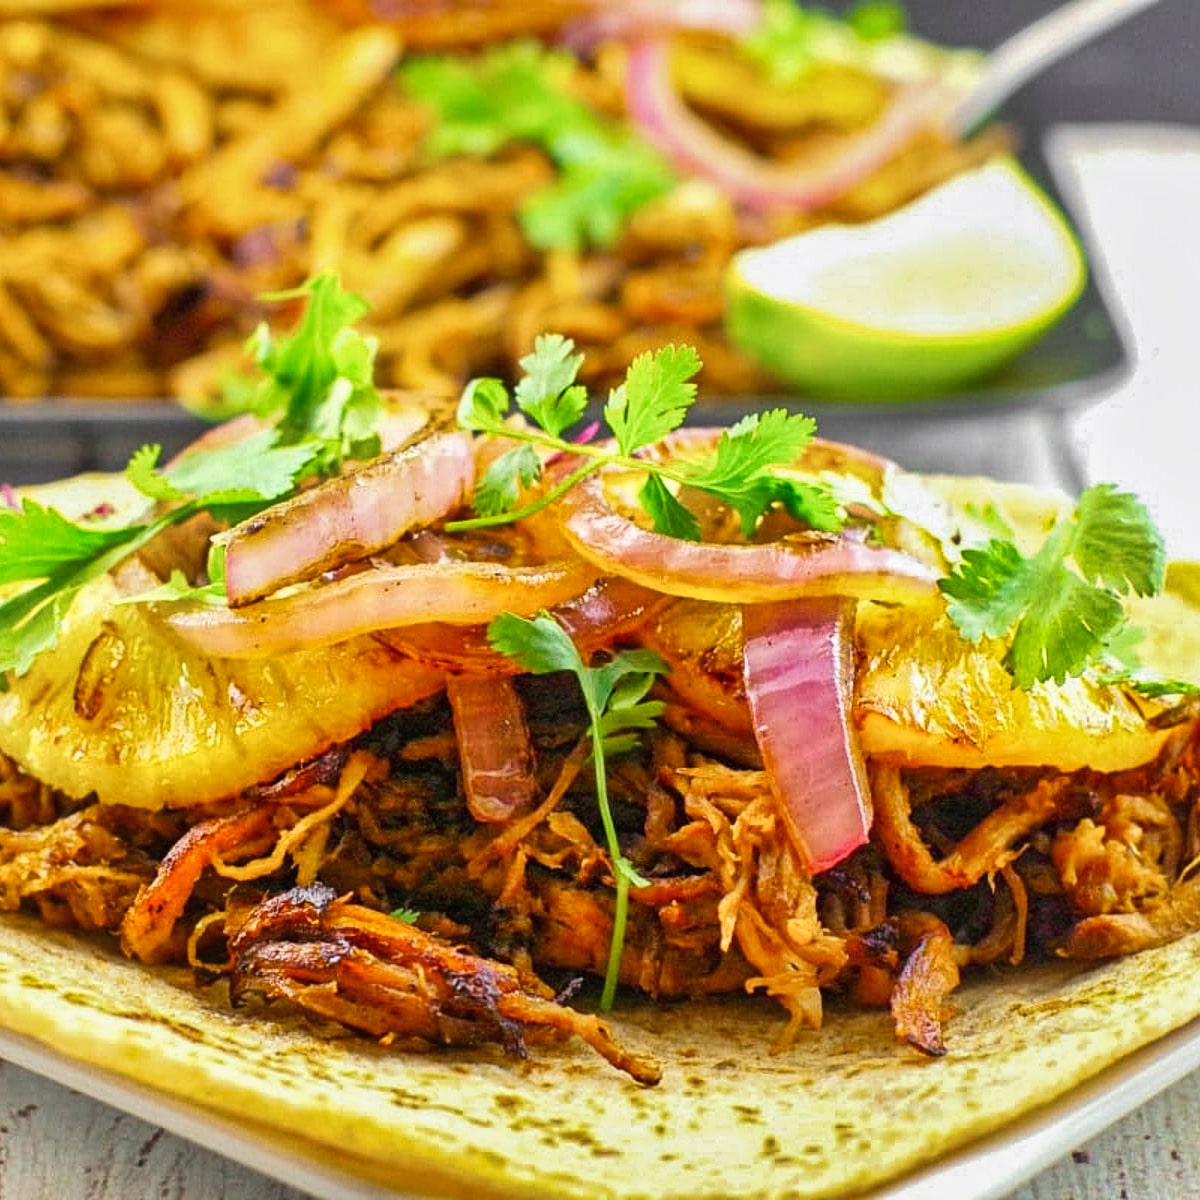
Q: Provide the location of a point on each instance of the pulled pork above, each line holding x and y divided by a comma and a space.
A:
293, 890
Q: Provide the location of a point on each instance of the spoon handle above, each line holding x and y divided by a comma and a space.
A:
1034, 48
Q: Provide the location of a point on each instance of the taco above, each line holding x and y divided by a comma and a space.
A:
846, 777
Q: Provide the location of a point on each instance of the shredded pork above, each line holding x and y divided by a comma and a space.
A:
288, 888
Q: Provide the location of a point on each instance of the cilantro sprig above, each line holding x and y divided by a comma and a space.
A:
652, 402
1062, 606
791, 38
520, 92
315, 389
614, 694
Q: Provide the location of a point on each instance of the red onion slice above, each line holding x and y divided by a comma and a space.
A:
348, 517
752, 181
637, 18
799, 668
767, 573
462, 593
493, 746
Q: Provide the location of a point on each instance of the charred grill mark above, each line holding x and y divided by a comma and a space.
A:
100, 662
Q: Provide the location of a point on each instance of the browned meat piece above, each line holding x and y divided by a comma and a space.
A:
1112, 934
929, 975
148, 925
672, 942
987, 848
83, 869
388, 978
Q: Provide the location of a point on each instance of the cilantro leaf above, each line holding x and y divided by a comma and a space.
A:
657, 392
512, 92
875, 20
652, 402
1062, 606
319, 379
179, 588
791, 39
317, 386
521, 92
614, 695
760, 440
1066, 623
29, 627
243, 472
988, 590
602, 182
502, 482
547, 393
37, 542
483, 405
1116, 543
669, 516
70, 557
1150, 686
739, 471
542, 646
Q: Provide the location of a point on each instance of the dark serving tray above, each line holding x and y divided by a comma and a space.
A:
975, 431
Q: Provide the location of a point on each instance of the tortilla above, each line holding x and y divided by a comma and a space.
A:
844, 1110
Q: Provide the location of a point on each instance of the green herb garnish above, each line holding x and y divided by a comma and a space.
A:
791, 39
652, 402
316, 386
520, 92
614, 694
1062, 606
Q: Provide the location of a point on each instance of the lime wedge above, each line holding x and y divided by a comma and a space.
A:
936, 295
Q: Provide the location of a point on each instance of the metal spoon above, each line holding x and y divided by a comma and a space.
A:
1032, 50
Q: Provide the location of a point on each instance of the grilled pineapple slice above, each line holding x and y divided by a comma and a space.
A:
124, 709
924, 696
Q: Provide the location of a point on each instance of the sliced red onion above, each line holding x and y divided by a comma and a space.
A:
694, 145
460, 593
493, 745
799, 668
637, 18
768, 573
348, 517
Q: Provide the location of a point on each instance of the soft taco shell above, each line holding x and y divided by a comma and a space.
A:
841, 1112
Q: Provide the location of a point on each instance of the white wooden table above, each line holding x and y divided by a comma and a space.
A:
1141, 191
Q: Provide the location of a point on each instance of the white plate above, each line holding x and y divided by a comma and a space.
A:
985, 1170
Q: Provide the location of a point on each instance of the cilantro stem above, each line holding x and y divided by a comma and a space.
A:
600, 457
613, 695
616, 944
561, 488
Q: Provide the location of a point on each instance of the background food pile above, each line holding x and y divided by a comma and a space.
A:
161, 167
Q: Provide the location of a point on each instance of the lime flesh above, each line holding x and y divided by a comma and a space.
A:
936, 295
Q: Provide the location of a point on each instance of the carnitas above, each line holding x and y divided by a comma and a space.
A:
382, 886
